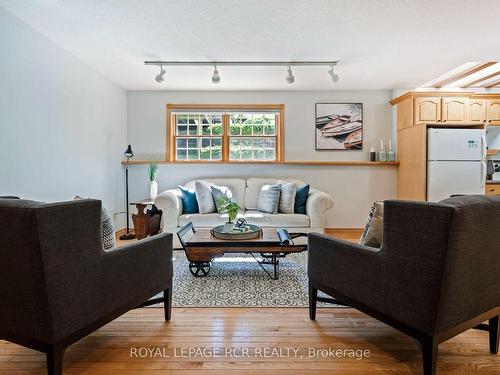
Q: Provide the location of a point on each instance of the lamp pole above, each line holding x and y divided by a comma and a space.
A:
128, 154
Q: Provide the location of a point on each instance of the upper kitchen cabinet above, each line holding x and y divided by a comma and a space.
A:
477, 111
448, 109
493, 106
455, 110
427, 109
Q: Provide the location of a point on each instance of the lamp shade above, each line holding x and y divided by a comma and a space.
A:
128, 152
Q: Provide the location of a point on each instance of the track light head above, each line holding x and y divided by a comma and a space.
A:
289, 76
215, 76
334, 77
160, 77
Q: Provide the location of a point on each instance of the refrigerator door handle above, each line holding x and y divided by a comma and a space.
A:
483, 145
483, 173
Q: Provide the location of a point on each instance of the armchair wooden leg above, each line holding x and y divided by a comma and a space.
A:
494, 329
167, 303
313, 294
429, 355
55, 360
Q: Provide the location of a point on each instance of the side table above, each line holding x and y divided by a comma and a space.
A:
146, 222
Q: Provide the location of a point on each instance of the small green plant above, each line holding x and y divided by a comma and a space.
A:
226, 205
153, 172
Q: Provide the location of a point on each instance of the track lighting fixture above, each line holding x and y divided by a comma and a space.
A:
289, 76
215, 76
334, 77
160, 77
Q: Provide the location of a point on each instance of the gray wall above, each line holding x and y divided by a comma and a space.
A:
353, 188
63, 125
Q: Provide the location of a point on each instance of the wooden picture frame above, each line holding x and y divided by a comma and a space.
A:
338, 126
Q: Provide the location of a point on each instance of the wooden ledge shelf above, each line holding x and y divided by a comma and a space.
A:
359, 163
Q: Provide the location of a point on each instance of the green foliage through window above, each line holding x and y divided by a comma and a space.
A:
251, 136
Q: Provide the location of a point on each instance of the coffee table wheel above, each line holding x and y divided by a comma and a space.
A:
199, 269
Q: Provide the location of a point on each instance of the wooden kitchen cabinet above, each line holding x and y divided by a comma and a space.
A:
477, 111
427, 110
418, 111
455, 110
492, 189
493, 107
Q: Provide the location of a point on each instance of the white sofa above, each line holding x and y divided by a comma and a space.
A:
245, 193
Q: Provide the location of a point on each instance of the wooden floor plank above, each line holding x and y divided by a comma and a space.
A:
108, 351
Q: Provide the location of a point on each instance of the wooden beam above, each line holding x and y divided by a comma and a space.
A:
492, 84
463, 74
494, 74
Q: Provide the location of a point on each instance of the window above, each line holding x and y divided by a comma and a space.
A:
198, 137
225, 133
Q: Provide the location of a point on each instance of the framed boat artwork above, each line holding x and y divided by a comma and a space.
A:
339, 126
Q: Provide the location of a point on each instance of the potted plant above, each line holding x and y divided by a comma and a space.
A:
153, 185
226, 205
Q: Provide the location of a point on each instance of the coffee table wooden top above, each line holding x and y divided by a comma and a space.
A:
203, 237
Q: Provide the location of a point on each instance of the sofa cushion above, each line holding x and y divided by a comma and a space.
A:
203, 220
253, 186
236, 185
253, 217
276, 220
189, 202
219, 192
373, 231
287, 197
301, 199
107, 229
269, 199
206, 204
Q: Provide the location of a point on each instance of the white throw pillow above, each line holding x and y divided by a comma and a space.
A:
204, 197
269, 199
287, 197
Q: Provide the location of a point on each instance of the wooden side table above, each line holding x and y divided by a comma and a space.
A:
146, 222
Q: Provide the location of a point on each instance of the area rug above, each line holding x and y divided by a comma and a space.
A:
237, 280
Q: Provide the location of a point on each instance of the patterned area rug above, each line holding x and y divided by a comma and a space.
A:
236, 280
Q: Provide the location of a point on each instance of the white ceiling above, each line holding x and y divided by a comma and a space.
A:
382, 44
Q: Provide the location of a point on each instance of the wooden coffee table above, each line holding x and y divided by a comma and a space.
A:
202, 248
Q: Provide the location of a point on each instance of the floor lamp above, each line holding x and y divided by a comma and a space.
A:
127, 236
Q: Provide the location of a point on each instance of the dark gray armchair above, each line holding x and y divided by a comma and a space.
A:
436, 275
57, 285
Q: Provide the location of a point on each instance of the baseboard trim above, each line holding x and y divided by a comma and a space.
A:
121, 231
348, 234
343, 230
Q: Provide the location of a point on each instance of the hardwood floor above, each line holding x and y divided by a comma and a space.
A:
118, 347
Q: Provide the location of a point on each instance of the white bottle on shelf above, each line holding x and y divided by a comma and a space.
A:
391, 156
382, 155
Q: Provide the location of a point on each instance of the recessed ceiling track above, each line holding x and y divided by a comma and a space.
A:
242, 63
160, 77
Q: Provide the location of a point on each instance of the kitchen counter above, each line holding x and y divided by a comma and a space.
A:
493, 182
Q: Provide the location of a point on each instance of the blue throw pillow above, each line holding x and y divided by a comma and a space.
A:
189, 202
301, 199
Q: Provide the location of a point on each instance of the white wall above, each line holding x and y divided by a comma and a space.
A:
353, 188
63, 125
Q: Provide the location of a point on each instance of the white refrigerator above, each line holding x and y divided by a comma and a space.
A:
456, 162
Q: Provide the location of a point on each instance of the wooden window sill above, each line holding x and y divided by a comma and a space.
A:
324, 163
